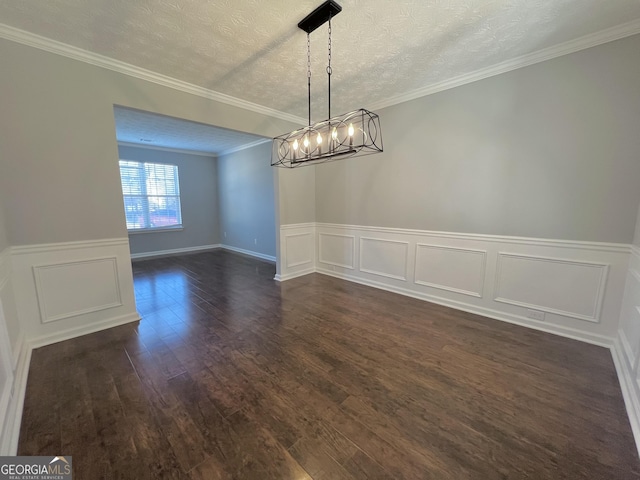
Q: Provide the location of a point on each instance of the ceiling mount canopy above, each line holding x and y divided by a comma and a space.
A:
351, 134
319, 16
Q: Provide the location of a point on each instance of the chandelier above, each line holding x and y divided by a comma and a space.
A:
351, 134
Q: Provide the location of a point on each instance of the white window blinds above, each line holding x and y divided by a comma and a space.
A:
151, 195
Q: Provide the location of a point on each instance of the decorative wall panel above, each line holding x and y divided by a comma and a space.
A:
564, 287
74, 288
458, 270
337, 250
385, 258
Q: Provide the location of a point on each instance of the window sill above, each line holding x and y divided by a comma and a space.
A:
155, 230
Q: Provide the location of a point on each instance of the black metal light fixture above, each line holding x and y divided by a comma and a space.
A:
351, 134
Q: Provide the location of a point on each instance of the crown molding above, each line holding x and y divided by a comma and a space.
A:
245, 146
200, 153
42, 43
604, 36
572, 46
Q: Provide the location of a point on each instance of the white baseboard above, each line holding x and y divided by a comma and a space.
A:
289, 276
629, 387
201, 248
262, 256
11, 431
174, 251
61, 336
574, 334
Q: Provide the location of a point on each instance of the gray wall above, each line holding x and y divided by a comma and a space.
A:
247, 203
297, 194
7, 297
545, 151
198, 197
636, 237
551, 150
4, 238
60, 180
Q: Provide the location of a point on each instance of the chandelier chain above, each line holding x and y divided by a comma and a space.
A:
329, 67
308, 56
329, 71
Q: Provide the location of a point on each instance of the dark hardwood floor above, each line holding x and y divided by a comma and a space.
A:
231, 375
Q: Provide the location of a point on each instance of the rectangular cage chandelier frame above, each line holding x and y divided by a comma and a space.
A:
355, 133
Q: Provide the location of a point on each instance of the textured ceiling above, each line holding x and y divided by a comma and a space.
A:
134, 126
252, 49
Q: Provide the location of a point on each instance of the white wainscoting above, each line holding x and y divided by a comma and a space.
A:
553, 285
14, 360
12, 415
297, 250
575, 287
64, 290
629, 333
626, 348
8, 308
50, 293
6, 354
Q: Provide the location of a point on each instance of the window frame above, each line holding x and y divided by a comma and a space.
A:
145, 196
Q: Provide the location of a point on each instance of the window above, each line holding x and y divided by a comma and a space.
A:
151, 195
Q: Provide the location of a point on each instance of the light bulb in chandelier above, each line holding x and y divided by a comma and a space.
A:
295, 149
351, 131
